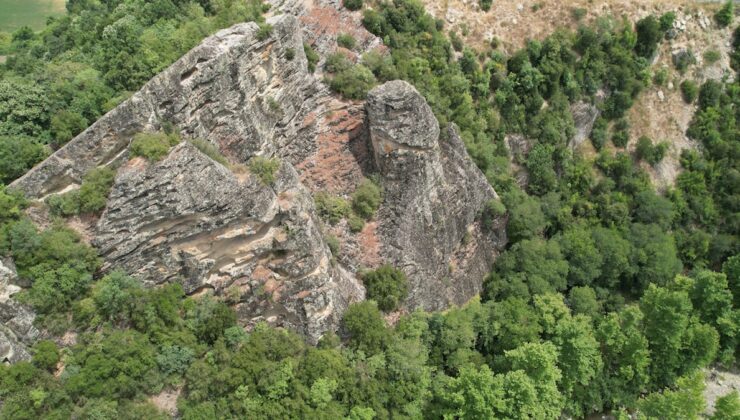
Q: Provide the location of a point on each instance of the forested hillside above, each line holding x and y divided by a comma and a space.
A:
610, 297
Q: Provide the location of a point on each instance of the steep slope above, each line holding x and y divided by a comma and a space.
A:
216, 228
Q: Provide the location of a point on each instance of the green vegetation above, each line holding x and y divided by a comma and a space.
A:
264, 31
712, 56
331, 208
153, 146
366, 199
607, 297
649, 152
387, 286
90, 198
485, 5
28, 13
689, 91
264, 169
725, 15
347, 41
208, 149
56, 82
312, 57
352, 4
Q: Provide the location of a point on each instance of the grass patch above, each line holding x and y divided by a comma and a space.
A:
91, 198
209, 150
33, 13
153, 146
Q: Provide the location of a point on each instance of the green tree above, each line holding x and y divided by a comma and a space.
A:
366, 326
727, 407
387, 286
685, 401
648, 35
583, 257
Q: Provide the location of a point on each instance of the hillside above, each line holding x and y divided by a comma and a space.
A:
371, 210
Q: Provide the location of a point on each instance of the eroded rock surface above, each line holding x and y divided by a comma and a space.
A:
192, 220
238, 92
433, 195
16, 320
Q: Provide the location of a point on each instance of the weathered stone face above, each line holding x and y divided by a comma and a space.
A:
261, 248
433, 195
234, 90
16, 320
191, 220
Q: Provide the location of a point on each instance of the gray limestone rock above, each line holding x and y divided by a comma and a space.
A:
234, 90
191, 220
16, 320
429, 223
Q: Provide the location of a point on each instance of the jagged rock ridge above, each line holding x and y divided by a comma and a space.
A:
190, 219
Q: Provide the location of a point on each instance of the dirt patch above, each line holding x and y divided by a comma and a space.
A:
514, 22
166, 401
718, 384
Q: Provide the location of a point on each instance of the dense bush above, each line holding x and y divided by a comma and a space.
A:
354, 82
347, 41
649, 152
485, 5
264, 169
311, 56
331, 208
18, 154
366, 199
648, 34
689, 91
352, 4
725, 15
387, 286
153, 146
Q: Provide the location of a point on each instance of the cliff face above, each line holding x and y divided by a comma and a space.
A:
220, 229
429, 225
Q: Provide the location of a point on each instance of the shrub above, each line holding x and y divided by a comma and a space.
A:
620, 137
347, 41
153, 146
208, 149
457, 42
648, 152
711, 56
666, 21
683, 60
333, 243
355, 223
353, 83
264, 168
311, 56
578, 13
648, 35
660, 77
289, 54
599, 133
485, 5
90, 198
689, 91
366, 199
337, 62
331, 208
264, 31
492, 210
353, 4
387, 286
725, 15
95, 189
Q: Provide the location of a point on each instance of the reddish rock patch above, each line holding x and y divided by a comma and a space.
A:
341, 148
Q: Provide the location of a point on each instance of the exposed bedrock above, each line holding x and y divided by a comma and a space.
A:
433, 197
191, 220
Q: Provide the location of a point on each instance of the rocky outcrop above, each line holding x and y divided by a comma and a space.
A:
216, 228
191, 220
233, 89
433, 197
16, 320
584, 117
